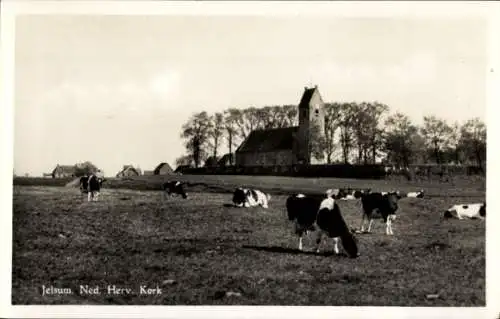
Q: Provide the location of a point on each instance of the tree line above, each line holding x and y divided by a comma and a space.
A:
359, 133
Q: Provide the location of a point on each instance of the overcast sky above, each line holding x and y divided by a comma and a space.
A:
115, 90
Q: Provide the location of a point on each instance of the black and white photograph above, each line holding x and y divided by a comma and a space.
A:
228, 154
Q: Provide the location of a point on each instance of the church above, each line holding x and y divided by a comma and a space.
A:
289, 145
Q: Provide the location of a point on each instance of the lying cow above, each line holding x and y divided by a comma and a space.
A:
419, 194
471, 211
386, 204
91, 185
247, 197
353, 194
322, 215
173, 188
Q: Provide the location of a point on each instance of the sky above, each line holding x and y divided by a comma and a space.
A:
116, 90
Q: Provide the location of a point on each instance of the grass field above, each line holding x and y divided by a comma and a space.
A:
198, 251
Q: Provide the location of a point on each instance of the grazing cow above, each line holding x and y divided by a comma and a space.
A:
173, 188
320, 214
471, 211
91, 185
247, 197
386, 204
419, 194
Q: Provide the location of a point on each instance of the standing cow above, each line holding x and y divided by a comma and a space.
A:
386, 204
92, 186
322, 215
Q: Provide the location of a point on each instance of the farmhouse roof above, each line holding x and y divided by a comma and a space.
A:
127, 168
162, 165
269, 140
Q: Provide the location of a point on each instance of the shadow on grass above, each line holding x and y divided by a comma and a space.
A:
283, 250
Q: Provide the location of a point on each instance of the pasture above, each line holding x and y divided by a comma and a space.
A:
200, 252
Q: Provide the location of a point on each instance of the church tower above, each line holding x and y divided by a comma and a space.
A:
311, 125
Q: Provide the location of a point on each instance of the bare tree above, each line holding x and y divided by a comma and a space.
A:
290, 115
184, 160
196, 134
346, 129
332, 123
473, 141
402, 140
216, 132
232, 117
436, 133
367, 130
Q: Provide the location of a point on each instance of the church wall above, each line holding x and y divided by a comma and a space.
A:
284, 157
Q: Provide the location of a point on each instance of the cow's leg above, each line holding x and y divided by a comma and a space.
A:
336, 245
300, 242
89, 196
319, 235
96, 196
370, 225
362, 228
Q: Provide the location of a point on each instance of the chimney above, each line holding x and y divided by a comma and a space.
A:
316, 86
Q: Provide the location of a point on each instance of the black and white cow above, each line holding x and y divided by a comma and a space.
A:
353, 194
419, 194
385, 204
247, 197
322, 215
470, 211
174, 188
91, 185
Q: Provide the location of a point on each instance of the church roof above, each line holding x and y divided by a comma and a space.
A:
269, 140
306, 97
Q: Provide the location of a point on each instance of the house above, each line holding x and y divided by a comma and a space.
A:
61, 171
148, 173
127, 170
289, 145
163, 169
226, 160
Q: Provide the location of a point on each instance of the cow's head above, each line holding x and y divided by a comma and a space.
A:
350, 244
239, 196
447, 214
178, 188
334, 193
394, 194
392, 200
482, 210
